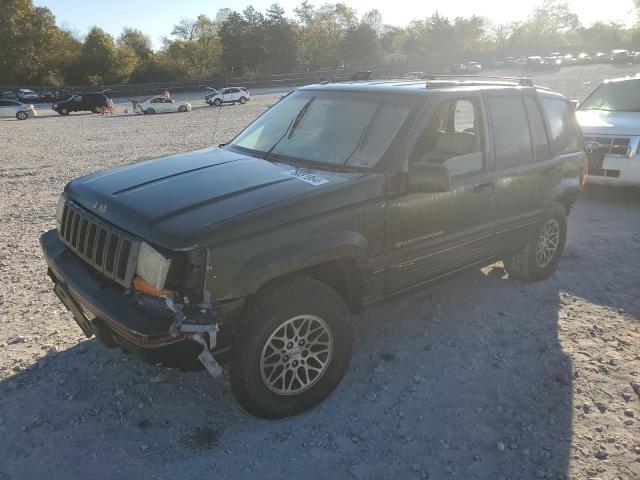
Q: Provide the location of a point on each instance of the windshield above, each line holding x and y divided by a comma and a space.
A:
614, 97
337, 128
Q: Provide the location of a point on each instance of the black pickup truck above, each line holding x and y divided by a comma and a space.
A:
254, 254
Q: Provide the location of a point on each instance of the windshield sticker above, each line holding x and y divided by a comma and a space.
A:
310, 178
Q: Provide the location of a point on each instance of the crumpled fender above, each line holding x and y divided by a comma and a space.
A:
300, 254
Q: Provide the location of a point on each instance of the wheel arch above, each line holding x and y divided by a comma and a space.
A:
335, 260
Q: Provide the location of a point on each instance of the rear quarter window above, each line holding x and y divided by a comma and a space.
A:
538, 130
565, 133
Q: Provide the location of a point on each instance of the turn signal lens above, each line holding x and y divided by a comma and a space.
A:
142, 286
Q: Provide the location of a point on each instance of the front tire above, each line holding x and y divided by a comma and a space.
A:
64, 111
541, 255
22, 115
182, 108
149, 111
217, 102
292, 349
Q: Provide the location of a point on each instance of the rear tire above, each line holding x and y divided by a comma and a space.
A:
292, 349
242, 100
541, 255
22, 115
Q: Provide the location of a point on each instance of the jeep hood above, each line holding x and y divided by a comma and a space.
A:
601, 122
209, 196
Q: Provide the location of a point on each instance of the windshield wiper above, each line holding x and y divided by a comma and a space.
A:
292, 126
298, 119
365, 132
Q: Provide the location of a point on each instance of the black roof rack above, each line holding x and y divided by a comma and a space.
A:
521, 81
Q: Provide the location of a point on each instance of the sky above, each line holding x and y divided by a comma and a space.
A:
157, 17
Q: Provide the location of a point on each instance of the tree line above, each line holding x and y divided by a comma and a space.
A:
34, 50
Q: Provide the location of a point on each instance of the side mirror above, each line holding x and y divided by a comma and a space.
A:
428, 178
575, 104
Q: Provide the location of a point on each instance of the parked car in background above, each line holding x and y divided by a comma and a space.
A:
534, 62
552, 61
583, 58
229, 95
83, 102
12, 108
9, 95
602, 57
163, 105
255, 254
620, 56
610, 121
26, 95
568, 59
472, 67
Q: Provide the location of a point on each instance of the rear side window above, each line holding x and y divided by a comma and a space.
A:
511, 138
538, 130
565, 132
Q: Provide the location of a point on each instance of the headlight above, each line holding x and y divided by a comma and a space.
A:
152, 266
55, 105
59, 212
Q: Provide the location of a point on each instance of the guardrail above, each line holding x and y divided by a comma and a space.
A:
257, 81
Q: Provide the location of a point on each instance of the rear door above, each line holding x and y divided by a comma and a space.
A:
525, 170
428, 235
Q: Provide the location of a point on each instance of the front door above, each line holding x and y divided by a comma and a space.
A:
7, 108
429, 235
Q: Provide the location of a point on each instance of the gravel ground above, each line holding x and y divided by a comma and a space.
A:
477, 377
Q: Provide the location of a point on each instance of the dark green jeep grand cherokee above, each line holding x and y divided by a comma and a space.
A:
254, 254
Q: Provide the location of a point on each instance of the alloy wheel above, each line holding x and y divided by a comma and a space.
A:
548, 242
296, 355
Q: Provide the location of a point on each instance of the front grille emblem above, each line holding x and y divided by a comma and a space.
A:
101, 207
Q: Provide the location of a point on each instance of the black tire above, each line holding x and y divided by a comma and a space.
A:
527, 264
149, 111
217, 102
182, 108
64, 111
294, 299
22, 115
242, 100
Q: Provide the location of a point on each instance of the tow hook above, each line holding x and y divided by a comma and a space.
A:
198, 329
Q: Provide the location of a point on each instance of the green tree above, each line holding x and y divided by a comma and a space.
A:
280, 42
232, 36
136, 41
27, 42
322, 34
253, 38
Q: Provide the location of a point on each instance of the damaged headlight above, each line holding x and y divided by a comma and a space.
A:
152, 266
59, 211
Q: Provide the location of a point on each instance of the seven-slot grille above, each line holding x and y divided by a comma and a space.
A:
107, 249
607, 145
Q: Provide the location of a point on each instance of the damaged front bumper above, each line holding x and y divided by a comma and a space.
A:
174, 335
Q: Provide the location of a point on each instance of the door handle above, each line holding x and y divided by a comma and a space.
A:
549, 170
483, 186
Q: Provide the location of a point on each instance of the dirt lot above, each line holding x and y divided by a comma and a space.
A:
478, 377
